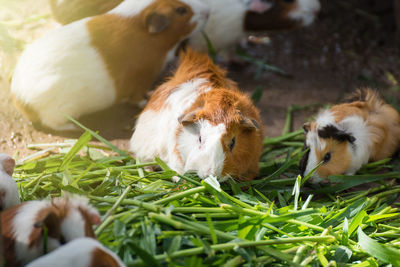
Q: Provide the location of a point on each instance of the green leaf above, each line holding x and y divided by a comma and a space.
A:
257, 94
356, 221
379, 251
342, 254
98, 137
82, 142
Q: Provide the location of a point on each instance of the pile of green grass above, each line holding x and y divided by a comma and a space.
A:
276, 220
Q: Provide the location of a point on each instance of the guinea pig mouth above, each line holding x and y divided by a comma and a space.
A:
304, 160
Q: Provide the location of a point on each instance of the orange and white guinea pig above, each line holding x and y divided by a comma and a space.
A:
349, 135
9, 195
89, 65
199, 121
22, 226
229, 19
81, 252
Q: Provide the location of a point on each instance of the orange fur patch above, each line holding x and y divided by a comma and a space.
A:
340, 158
102, 259
135, 57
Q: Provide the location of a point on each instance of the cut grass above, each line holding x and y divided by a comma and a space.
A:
150, 221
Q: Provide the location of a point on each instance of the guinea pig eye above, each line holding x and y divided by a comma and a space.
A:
200, 139
327, 157
232, 144
181, 10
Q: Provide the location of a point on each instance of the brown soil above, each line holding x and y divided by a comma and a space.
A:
351, 45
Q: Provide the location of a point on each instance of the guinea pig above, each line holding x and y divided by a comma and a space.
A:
199, 121
229, 19
89, 65
23, 226
9, 195
349, 135
283, 14
81, 252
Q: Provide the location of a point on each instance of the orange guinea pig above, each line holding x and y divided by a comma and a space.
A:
349, 135
199, 121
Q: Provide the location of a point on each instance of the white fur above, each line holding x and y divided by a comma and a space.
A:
77, 253
306, 11
359, 150
164, 143
8, 186
224, 27
130, 8
22, 227
72, 227
206, 157
62, 74
201, 12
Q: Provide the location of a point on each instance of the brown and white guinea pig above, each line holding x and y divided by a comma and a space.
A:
228, 22
89, 65
199, 121
23, 226
349, 135
9, 195
81, 252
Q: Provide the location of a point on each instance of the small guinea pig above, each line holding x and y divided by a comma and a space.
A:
229, 19
81, 252
199, 121
89, 65
9, 195
349, 135
65, 218
283, 14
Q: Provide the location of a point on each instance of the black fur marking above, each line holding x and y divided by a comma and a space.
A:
304, 160
330, 131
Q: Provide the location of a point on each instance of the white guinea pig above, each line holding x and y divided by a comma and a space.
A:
81, 252
230, 19
349, 135
9, 195
199, 121
89, 65
65, 218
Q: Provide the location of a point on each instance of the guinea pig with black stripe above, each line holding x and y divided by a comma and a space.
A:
349, 135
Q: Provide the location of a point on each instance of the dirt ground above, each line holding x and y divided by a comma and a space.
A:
352, 44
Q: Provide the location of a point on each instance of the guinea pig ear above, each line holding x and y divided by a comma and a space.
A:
307, 127
249, 124
156, 22
46, 217
187, 118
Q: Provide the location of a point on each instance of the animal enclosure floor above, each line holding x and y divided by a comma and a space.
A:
351, 45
